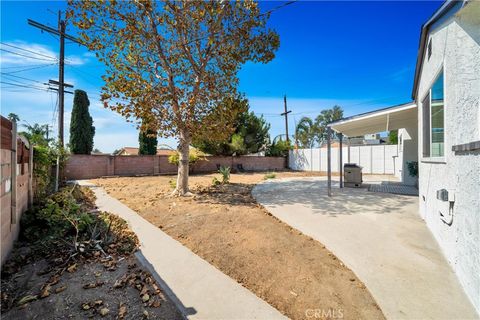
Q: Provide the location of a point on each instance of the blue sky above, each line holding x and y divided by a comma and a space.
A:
359, 55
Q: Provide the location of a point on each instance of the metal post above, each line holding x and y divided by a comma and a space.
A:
30, 176
340, 136
13, 172
329, 161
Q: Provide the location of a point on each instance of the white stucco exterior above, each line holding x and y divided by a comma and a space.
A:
455, 42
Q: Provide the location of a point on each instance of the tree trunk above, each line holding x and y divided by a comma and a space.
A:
182, 177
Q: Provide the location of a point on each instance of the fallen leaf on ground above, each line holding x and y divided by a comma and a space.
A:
145, 297
104, 312
72, 268
122, 311
93, 285
45, 292
60, 289
26, 299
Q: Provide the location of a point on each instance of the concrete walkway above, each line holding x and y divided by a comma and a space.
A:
381, 238
199, 289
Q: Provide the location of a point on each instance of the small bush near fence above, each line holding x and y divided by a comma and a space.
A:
270, 175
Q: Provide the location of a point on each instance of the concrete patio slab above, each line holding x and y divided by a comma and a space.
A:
381, 238
199, 289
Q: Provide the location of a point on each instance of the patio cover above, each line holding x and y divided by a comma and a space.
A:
391, 118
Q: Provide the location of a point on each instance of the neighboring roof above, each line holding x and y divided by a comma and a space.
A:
444, 8
134, 151
391, 118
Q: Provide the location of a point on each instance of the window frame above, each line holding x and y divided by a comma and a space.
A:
438, 159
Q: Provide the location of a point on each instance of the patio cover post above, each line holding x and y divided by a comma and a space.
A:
340, 137
329, 161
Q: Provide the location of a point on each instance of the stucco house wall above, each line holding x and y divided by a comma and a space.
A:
455, 42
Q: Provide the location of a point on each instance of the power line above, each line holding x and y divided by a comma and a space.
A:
23, 86
32, 68
23, 78
26, 50
23, 66
24, 55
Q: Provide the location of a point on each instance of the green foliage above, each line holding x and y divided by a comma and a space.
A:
393, 137
278, 148
148, 142
237, 146
172, 183
309, 132
37, 134
215, 182
13, 117
64, 221
225, 172
250, 133
194, 156
59, 215
270, 175
81, 125
45, 159
412, 167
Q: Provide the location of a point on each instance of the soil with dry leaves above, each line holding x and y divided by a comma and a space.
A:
224, 225
55, 279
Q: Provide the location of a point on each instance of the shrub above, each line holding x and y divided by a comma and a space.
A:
269, 175
173, 183
278, 149
412, 168
225, 172
215, 182
194, 156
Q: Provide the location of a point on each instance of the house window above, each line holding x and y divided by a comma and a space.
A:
433, 120
437, 119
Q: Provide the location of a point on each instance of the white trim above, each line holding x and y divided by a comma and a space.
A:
375, 114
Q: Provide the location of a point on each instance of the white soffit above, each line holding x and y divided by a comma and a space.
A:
392, 118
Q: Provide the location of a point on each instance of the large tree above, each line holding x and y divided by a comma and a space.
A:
81, 125
147, 140
174, 61
250, 133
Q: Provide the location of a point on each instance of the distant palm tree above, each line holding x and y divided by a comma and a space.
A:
13, 117
306, 133
324, 118
37, 133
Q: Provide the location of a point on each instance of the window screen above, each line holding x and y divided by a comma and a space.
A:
437, 119
426, 125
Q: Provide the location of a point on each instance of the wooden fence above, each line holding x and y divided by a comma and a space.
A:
16, 183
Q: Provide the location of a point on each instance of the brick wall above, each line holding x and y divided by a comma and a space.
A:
94, 166
15, 191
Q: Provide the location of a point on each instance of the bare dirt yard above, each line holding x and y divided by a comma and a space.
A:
225, 226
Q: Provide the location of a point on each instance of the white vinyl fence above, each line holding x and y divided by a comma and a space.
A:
375, 159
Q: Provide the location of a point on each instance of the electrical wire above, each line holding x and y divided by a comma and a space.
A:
26, 50
32, 68
24, 55
23, 78
24, 86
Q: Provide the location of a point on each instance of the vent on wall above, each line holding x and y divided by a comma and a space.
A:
429, 49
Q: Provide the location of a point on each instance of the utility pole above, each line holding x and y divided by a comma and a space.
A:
61, 79
61, 67
285, 113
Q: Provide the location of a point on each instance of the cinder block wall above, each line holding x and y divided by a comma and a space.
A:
94, 166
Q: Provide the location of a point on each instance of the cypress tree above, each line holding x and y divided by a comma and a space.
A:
81, 125
148, 142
